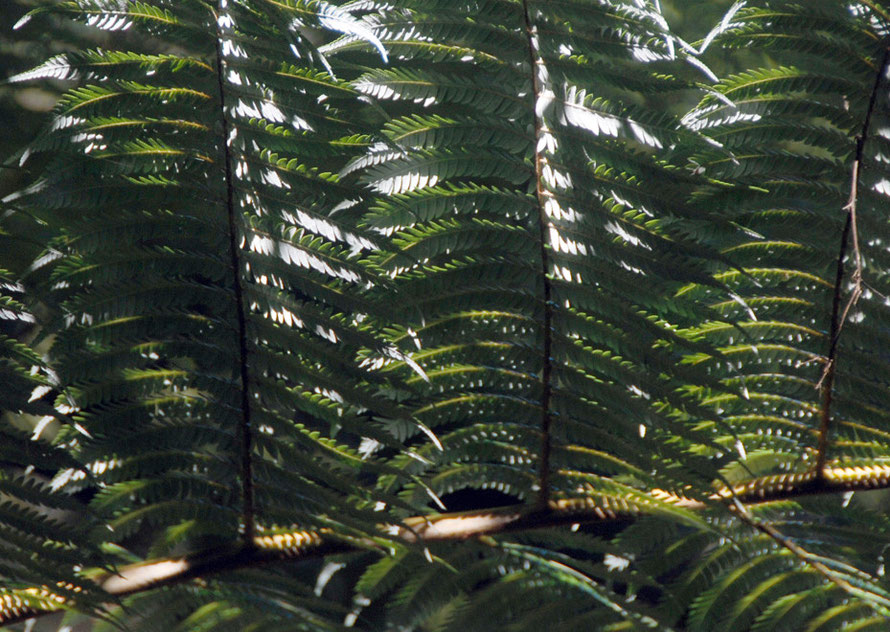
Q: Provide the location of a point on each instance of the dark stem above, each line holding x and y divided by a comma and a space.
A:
543, 223
246, 439
838, 317
826, 382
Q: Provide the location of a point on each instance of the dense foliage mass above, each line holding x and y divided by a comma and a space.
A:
292, 281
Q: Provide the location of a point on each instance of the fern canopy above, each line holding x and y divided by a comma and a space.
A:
294, 281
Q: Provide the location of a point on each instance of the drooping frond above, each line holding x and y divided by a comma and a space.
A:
523, 209
803, 181
442, 306
211, 325
539, 228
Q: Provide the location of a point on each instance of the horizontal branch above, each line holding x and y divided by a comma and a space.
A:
312, 544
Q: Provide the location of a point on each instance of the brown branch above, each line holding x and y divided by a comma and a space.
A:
455, 527
544, 224
246, 440
838, 318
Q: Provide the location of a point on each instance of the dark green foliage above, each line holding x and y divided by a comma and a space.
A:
307, 265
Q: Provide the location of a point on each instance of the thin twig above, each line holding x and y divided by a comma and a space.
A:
850, 207
246, 439
838, 317
800, 553
547, 368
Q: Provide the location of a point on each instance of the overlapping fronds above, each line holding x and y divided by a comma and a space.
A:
42, 532
313, 272
804, 182
208, 313
531, 240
